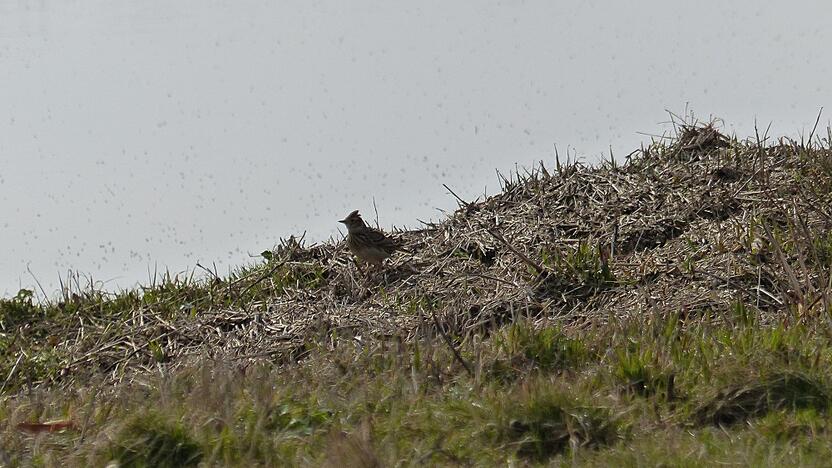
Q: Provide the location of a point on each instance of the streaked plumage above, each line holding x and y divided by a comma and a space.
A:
366, 243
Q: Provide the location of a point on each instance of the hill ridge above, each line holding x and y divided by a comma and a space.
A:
688, 226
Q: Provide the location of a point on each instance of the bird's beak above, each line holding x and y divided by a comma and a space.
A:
342, 221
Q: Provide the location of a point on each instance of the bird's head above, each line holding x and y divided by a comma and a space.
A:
353, 221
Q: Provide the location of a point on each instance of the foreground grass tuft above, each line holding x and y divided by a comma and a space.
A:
546, 422
148, 440
740, 402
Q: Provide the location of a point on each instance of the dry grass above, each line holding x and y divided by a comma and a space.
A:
701, 259
691, 226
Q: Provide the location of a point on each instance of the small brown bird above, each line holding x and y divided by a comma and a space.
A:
366, 243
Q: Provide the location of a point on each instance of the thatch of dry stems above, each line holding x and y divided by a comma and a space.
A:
693, 226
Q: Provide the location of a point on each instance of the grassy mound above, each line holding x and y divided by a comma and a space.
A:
628, 313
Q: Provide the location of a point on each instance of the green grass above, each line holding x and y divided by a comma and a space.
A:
147, 440
632, 393
36, 328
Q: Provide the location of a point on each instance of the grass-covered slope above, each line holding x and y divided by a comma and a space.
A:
671, 309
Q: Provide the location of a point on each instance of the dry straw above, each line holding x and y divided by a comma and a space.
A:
692, 225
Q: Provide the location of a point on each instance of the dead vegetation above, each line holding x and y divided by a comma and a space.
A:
683, 290
692, 225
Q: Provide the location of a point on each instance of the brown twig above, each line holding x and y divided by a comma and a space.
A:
450, 344
537, 267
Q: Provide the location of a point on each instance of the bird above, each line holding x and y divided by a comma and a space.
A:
366, 243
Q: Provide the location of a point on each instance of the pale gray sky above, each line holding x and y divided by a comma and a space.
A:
141, 133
